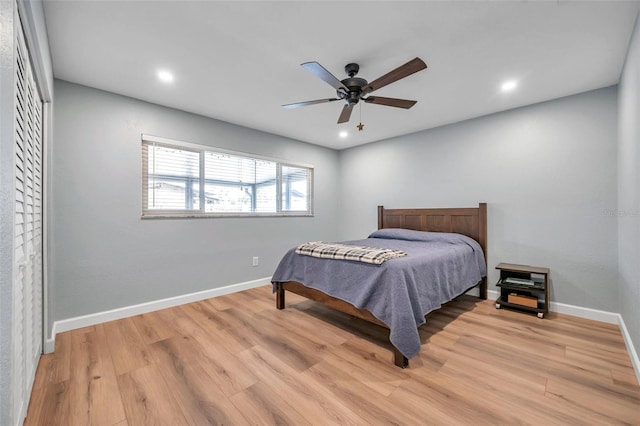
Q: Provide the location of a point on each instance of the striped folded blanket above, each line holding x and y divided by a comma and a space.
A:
373, 255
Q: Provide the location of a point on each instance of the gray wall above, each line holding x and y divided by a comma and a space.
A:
547, 172
629, 189
104, 256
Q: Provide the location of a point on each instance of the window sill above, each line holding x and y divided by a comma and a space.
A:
221, 215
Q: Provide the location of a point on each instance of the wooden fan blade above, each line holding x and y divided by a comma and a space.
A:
320, 72
402, 71
301, 104
345, 114
394, 102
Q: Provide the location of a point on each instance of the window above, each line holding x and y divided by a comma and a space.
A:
180, 179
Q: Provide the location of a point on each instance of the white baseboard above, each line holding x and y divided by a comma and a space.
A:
492, 294
588, 313
142, 308
50, 344
596, 315
630, 348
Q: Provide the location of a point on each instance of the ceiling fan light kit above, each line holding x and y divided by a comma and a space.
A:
355, 89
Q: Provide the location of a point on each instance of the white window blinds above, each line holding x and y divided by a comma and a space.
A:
186, 180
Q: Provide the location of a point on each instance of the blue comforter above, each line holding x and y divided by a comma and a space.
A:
400, 292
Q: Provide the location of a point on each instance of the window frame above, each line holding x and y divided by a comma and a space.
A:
147, 213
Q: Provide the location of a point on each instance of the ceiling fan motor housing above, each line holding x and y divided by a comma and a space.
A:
353, 83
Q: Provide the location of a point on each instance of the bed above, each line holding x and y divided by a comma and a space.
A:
399, 293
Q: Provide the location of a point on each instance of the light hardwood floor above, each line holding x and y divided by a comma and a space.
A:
237, 360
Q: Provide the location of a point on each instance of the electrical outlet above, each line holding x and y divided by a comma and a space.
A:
256, 260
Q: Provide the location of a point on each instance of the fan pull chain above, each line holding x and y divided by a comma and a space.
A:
360, 126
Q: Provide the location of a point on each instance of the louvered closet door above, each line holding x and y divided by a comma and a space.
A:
33, 225
27, 294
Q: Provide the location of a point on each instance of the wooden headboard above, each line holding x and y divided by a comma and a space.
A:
471, 222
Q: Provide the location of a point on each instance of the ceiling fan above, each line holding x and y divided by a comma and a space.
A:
355, 89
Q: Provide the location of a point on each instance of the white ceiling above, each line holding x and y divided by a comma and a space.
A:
240, 61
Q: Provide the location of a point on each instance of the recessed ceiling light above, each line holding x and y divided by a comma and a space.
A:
343, 134
507, 86
165, 76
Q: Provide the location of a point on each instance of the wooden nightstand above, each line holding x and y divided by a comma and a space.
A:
524, 288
